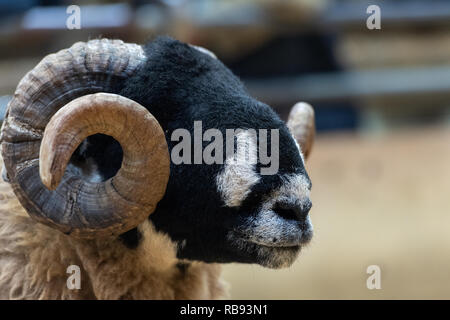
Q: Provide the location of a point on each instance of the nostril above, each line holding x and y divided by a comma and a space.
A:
290, 211
288, 214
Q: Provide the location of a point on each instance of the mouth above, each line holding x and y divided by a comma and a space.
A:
274, 257
271, 253
273, 242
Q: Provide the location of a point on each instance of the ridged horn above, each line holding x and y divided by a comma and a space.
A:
302, 125
65, 98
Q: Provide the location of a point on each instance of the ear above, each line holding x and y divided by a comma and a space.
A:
302, 126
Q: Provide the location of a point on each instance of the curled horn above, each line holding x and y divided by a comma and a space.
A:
67, 97
302, 125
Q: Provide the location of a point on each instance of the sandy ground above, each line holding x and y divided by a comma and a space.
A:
378, 200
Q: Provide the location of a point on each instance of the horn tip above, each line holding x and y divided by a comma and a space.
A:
49, 180
301, 122
302, 107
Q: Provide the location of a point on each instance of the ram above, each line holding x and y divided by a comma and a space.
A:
86, 145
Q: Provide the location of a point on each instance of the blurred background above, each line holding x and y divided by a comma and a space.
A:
380, 164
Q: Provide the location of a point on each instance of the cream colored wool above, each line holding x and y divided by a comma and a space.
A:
34, 260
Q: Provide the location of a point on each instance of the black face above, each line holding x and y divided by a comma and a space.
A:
232, 213
226, 212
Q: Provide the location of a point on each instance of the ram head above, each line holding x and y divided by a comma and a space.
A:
90, 137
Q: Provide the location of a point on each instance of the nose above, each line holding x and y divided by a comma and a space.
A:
293, 210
